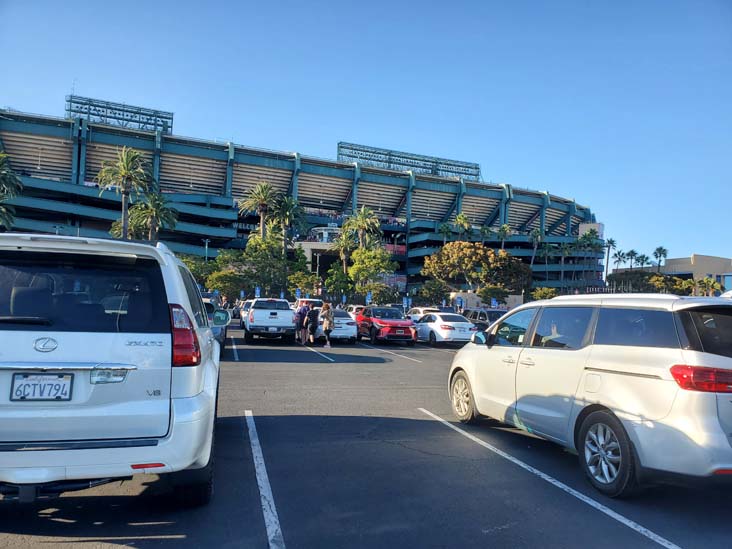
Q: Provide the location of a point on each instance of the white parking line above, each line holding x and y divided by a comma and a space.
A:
385, 351
236, 351
318, 353
551, 480
271, 520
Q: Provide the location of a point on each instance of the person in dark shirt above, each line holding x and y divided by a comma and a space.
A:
312, 321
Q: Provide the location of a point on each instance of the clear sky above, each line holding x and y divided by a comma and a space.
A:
623, 105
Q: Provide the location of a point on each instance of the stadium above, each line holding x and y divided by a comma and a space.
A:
58, 159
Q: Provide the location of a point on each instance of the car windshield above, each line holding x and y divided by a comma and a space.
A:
453, 318
389, 314
272, 305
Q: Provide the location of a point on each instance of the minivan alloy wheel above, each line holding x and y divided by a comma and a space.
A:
602, 453
461, 396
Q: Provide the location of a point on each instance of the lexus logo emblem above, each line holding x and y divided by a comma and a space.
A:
45, 344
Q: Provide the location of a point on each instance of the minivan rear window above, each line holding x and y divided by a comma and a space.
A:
636, 328
271, 305
62, 292
712, 330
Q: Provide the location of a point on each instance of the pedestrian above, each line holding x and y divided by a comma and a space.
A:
300, 316
326, 315
312, 321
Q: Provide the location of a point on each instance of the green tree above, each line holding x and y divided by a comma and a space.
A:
610, 245
434, 291
128, 175
446, 231
200, 268
463, 225
565, 250
228, 283
337, 282
662, 284
504, 232
261, 199
660, 254
363, 222
543, 293
345, 243
536, 239
10, 183
642, 260
619, 258
631, 256
306, 282
155, 213
380, 292
289, 214
370, 265
136, 229
486, 233
493, 291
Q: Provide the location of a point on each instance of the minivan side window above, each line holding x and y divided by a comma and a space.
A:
512, 331
636, 327
199, 313
562, 327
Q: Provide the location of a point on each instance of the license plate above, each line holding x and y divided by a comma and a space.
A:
400, 331
31, 387
273, 329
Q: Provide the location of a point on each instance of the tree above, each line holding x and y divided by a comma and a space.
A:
642, 260
128, 175
228, 283
380, 292
493, 291
631, 256
10, 183
708, 286
458, 263
289, 214
543, 293
261, 199
136, 229
660, 254
536, 238
463, 225
446, 231
486, 233
610, 245
344, 244
565, 250
504, 231
662, 284
619, 257
306, 282
337, 282
434, 291
370, 265
363, 222
154, 213
200, 268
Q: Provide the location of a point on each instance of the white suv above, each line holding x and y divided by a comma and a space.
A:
108, 368
637, 384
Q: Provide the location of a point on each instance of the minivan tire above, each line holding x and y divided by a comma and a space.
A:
463, 404
624, 482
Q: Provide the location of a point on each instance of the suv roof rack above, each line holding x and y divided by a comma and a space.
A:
599, 297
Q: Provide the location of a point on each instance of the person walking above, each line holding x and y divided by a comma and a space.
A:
300, 316
311, 323
326, 315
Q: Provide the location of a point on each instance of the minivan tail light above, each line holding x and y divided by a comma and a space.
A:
186, 350
702, 378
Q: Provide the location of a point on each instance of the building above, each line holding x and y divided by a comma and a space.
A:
59, 158
695, 267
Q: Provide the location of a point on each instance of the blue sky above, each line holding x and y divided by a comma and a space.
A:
624, 106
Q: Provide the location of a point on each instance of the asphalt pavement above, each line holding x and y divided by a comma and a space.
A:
350, 451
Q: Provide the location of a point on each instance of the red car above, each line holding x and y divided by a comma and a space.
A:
385, 324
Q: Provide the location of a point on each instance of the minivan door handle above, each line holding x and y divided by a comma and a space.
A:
527, 362
509, 360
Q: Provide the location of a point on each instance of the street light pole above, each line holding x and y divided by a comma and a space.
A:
206, 241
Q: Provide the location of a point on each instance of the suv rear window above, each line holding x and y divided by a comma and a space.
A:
709, 330
636, 328
271, 305
81, 293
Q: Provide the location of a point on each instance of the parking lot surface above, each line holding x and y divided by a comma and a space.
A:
350, 451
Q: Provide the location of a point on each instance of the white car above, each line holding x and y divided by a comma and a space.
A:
437, 328
727, 294
108, 368
637, 384
418, 312
344, 328
354, 310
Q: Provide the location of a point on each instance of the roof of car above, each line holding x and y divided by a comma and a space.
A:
667, 302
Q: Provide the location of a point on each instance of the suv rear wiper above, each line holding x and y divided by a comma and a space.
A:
40, 320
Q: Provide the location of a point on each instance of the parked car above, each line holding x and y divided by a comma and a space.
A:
483, 318
636, 384
98, 390
437, 328
219, 331
727, 294
243, 311
344, 328
354, 310
385, 324
416, 313
212, 297
311, 302
269, 318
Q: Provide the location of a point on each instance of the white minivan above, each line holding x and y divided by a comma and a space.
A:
637, 384
108, 368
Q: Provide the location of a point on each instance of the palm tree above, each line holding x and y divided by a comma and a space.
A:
689, 285
660, 254
7, 214
155, 213
642, 260
445, 230
610, 245
261, 199
363, 222
619, 257
631, 256
128, 174
462, 223
536, 238
289, 214
486, 233
10, 184
344, 244
546, 251
504, 231
565, 250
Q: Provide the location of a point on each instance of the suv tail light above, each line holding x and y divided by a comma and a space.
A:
186, 350
446, 327
701, 378
251, 316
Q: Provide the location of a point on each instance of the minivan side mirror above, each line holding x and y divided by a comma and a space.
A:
483, 338
221, 317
